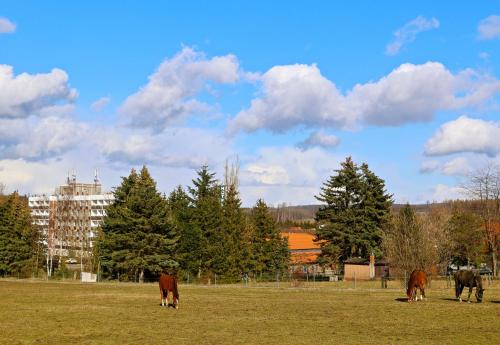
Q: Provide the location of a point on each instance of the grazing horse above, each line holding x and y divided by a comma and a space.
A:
470, 279
168, 283
418, 279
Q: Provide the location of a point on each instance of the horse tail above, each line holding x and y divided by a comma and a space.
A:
175, 291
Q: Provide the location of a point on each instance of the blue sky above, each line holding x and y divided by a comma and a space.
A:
290, 88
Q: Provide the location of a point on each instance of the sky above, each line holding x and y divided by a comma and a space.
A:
288, 89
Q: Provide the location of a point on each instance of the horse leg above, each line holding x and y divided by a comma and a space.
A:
470, 292
422, 293
161, 297
460, 290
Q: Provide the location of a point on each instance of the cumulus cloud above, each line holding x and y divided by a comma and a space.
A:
169, 94
442, 192
6, 26
288, 166
465, 135
456, 166
299, 95
31, 94
429, 166
39, 138
100, 104
286, 174
408, 33
173, 147
489, 28
319, 139
268, 174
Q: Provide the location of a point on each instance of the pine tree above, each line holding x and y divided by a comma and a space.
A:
137, 238
236, 241
205, 196
20, 241
232, 232
269, 250
357, 207
190, 236
375, 209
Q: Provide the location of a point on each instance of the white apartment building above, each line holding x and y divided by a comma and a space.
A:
70, 217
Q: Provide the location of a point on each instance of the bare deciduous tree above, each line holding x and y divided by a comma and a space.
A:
417, 241
483, 185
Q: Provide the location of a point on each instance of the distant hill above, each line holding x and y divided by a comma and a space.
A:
306, 213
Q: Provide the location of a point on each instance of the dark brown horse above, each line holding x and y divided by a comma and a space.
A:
168, 283
418, 279
470, 279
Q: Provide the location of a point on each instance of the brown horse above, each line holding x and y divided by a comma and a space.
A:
418, 279
470, 279
168, 283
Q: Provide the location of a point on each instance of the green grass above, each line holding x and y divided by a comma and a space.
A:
35, 312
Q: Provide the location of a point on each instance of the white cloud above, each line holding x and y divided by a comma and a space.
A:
456, 166
465, 135
31, 94
298, 95
39, 138
268, 174
292, 95
286, 174
6, 26
319, 139
99, 104
173, 147
442, 192
489, 28
408, 33
429, 166
169, 94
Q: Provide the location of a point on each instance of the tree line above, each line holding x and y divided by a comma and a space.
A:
356, 219
201, 232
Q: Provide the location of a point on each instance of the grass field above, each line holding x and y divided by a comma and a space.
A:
36, 312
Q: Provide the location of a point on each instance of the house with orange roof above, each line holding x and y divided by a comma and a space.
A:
304, 251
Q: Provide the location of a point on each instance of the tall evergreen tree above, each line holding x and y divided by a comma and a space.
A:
190, 236
232, 232
356, 208
206, 195
20, 240
137, 238
269, 249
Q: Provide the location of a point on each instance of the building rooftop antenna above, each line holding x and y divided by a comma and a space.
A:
96, 176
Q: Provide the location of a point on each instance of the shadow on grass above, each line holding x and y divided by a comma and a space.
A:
402, 299
497, 302
449, 299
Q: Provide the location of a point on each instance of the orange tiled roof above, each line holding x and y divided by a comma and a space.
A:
300, 240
